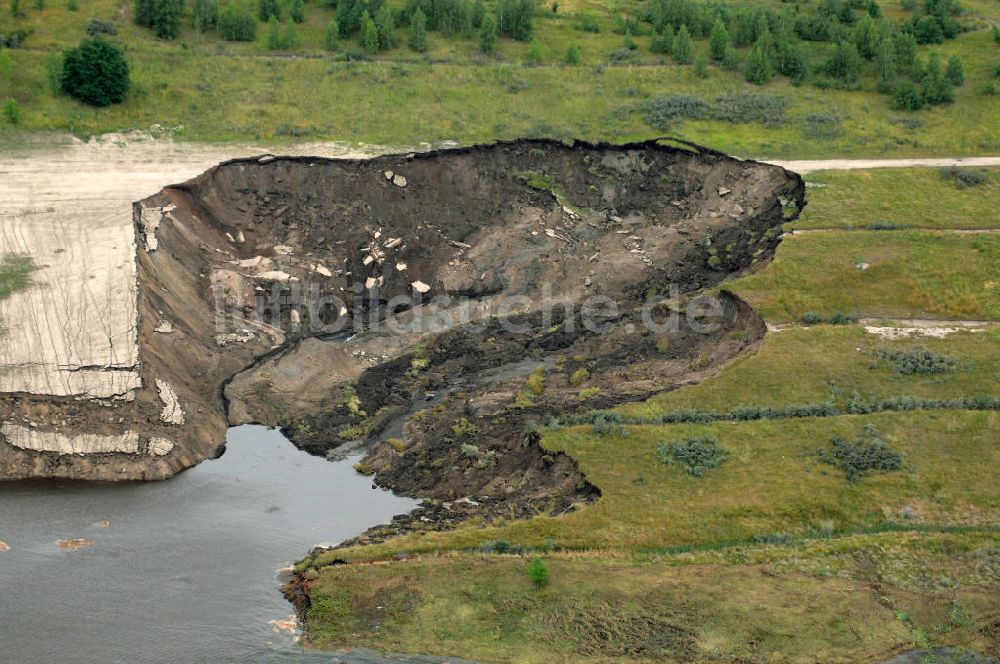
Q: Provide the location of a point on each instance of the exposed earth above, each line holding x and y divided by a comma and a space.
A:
355, 302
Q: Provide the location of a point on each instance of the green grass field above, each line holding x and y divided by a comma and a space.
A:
897, 560
211, 90
914, 197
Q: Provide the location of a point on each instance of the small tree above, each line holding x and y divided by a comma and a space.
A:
885, 66
534, 52
906, 97
268, 8
731, 60
866, 37
934, 87
96, 73
701, 66
572, 56
204, 15
718, 40
792, 60
662, 42
331, 37
15, 8
385, 24
758, 69
6, 64
906, 52
39, 5
237, 23
273, 37
538, 573
142, 13
487, 34
369, 34
297, 11
290, 37
167, 18
418, 31
844, 63
683, 49
955, 72
71, 5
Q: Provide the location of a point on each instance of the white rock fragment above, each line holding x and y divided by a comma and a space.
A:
266, 159
283, 250
400, 266
172, 412
388, 175
393, 242
240, 237
370, 283
369, 259
229, 236
159, 447
150, 219
83, 443
274, 275
294, 317
420, 286
165, 327
399, 180
223, 340
321, 269
723, 191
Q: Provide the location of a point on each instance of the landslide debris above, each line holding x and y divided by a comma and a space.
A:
430, 309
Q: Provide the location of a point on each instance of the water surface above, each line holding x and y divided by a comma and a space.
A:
185, 570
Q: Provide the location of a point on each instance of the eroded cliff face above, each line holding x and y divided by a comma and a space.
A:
429, 307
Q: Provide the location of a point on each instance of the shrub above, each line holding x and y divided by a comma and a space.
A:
538, 573
385, 25
906, 97
514, 18
757, 69
579, 376
824, 125
746, 107
572, 56
54, 73
237, 23
266, 9
963, 177
663, 111
142, 13
297, 11
954, 73
586, 21
534, 52
500, 546
609, 428
915, 361
865, 453
12, 111
695, 456
96, 26
811, 318
369, 34
72, 6
701, 66
662, 43
96, 73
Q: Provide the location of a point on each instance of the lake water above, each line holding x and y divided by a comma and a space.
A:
185, 570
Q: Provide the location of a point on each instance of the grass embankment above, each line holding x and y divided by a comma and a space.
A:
897, 274
218, 91
899, 197
774, 555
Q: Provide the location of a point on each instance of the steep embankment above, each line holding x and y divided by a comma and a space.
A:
440, 303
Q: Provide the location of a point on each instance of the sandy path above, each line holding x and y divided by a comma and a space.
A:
70, 208
808, 166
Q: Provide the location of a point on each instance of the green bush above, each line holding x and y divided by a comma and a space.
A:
572, 56
906, 97
12, 111
915, 361
237, 23
500, 546
747, 107
297, 11
167, 18
963, 177
488, 35
695, 456
418, 32
865, 453
538, 573
204, 15
663, 111
96, 73
331, 37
